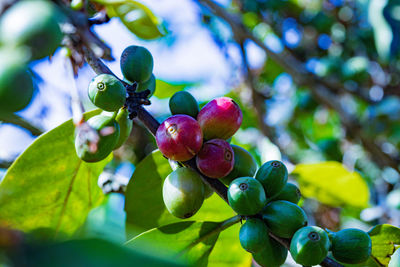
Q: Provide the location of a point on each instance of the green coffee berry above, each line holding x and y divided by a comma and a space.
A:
107, 92
351, 245
125, 126
273, 176
290, 192
245, 165
150, 84
246, 196
208, 192
136, 64
395, 259
183, 192
309, 245
253, 235
283, 218
273, 254
183, 102
108, 131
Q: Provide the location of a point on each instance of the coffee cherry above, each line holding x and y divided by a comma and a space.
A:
136, 64
179, 137
183, 192
16, 85
309, 246
245, 165
273, 176
208, 192
215, 159
107, 92
351, 245
395, 259
253, 235
125, 126
33, 24
283, 218
183, 102
150, 85
246, 196
220, 118
290, 192
273, 254
108, 131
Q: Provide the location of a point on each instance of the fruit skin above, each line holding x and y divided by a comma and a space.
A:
106, 142
150, 84
183, 102
36, 28
309, 246
215, 159
179, 137
253, 235
16, 84
220, 118
246, 196
283, 218
183, 192
272, 255
273, 176
208, 192
245, 165
107, 92
136, 64
351, 245
395, 259
125, 126
290, 192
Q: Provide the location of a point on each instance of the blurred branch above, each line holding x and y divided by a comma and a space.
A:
17, 120
5, 164
319, 89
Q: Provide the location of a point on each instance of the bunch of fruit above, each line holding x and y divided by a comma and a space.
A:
263, 197
29, 30
107, 92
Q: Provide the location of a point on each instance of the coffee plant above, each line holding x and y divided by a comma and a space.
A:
206, 195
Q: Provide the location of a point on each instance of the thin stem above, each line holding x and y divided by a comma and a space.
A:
17, 120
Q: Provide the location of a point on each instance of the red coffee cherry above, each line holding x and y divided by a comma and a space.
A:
220, 118
215, 159
179, 137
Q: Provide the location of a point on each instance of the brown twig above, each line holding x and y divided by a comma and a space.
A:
17, 120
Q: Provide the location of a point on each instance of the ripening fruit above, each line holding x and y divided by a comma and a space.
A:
150, 84
16, 85
208, 192
220, 118
351, 245
107, 92
272, 255
395, 259
183, 102
33, 24
107, 129
246, 196
136, 64
284, 218
245, 165
179, 137
125, 126
290, 192
183, 192
215, 159
273, 176
253, 235
309, 246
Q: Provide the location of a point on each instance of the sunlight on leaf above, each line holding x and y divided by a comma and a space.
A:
384, 238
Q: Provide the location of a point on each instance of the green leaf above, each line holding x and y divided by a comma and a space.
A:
166, 89
332, 184
384, 238
192, 241
138, 18
49, 186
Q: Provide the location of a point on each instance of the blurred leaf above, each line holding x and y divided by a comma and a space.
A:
332, 184
166, 89
138, 18
49, 186
382, 31
384, 238
193, 241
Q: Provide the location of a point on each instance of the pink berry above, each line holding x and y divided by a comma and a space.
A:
179, 137
220, 118
215, 158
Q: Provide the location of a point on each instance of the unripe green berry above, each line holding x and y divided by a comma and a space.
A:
136, 64
183, 102
290, 192
125, 126
273, 176
273, 254
253, 235
107, 92
150, 85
